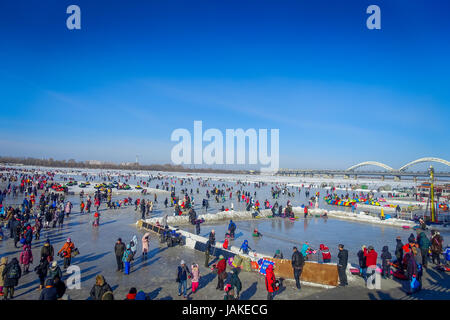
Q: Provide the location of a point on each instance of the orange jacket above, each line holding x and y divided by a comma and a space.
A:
67, 247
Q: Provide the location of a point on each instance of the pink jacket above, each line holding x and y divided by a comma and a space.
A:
195, 273
145, 242
26, 256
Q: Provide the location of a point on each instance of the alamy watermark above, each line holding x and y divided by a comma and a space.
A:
216, 152
74, 280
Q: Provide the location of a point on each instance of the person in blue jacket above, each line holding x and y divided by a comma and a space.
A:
49, 292
244, 247
304, 249
232, 228
127, 258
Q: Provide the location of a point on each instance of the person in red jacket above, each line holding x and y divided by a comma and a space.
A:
326, 255
371, 261
371, 257
270, 282
225, 243
221, 272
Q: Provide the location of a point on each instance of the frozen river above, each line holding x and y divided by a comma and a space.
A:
283, 234
278, 233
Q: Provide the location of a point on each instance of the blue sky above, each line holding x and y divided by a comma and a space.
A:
339, 93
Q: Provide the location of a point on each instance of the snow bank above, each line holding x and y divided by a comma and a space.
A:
213, 217
90, 190
360, 217
247, 215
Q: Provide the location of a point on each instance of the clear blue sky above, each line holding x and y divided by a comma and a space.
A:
339, 93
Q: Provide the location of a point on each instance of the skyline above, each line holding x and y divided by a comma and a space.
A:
339, 94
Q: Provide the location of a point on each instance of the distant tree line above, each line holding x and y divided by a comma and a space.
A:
71, 163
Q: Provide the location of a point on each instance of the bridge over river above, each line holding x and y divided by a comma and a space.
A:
388, 171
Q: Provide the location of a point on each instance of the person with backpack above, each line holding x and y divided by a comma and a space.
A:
100, 288
41, 270
424, 245
236, 283
182, 275
11, 275
47, 251
66, 252
26, 258
297, 264
436, 247
54, 270
127, 258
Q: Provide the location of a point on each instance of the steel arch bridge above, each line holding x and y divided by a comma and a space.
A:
424, 160
401, 169
370, 163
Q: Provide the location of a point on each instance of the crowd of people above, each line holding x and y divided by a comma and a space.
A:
43, 209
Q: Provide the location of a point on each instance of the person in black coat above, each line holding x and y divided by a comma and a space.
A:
385, 261
411, 238
297, 264
119, 249
399, 253
28, 235
362, 263
12, 224
41, 271
17, 231
100, 288
49, 292
342, 265
11, 275
60, 287
212, 238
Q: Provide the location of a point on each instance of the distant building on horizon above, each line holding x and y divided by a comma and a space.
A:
94, 162
129, 163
